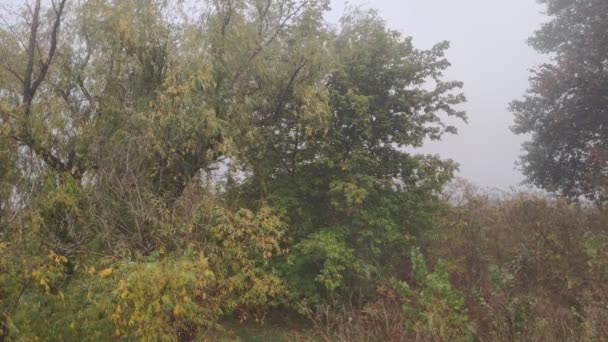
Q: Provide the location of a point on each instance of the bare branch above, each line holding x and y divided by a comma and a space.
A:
6, 9
20, 43
29, 69
53, 48
262, 12
282, 22
10, 220
31, 84
12, 72
287, 89
55, 7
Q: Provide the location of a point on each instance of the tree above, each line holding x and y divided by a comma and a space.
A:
33, 57
354, 199
113, 114
566, 107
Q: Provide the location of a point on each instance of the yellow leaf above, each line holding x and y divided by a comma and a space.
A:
45, 284
58, 259
114, 318
177, 310
106, 272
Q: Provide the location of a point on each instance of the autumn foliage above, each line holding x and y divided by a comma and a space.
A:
176, 171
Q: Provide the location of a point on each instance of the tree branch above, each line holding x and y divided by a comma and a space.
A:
29, 68
282, 22
45, 65
12, 72
292, 79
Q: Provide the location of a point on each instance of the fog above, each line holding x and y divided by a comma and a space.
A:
490, 55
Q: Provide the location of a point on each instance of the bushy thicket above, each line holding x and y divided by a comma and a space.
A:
166, 170
531, 266
495, 267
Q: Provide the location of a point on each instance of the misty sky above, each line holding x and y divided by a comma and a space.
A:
490, 55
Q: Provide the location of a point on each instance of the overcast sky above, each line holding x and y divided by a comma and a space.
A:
490, 55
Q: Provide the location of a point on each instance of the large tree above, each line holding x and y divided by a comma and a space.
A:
566, 108
353, 198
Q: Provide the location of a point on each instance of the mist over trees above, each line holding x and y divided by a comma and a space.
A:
180, 171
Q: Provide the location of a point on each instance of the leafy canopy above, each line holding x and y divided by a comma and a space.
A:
167, 164
564, 111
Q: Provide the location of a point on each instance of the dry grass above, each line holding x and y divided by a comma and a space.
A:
531, 267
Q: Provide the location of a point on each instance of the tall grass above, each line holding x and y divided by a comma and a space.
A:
531, 267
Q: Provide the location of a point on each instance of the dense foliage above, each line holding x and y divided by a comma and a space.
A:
171, 169
531, 267
165, 166
565, 108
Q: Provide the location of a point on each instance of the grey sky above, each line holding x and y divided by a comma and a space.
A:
490, 55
